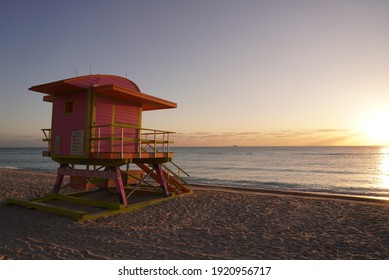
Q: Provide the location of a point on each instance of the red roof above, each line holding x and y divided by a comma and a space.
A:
108, 85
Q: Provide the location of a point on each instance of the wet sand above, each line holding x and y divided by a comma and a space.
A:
212, 223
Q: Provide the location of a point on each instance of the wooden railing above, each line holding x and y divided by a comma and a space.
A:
47, 134
144, 140
150, 141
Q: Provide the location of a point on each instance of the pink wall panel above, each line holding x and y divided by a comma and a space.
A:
104, 109
126, 113
65, 123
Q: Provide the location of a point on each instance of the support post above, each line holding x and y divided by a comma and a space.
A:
59, 179
121, 143
119, 187
155, 143
160, 178
155, 177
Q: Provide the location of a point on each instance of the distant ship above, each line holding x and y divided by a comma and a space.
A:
235, 146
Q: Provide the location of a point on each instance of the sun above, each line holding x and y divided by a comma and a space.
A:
376, 128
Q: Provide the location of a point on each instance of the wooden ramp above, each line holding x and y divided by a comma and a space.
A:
88, 205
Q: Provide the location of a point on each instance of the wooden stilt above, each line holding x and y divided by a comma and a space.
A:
58, 183
160, 178
119, 187
176, 182
59, 180
153, 175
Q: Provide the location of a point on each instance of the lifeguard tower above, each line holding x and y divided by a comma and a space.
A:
96, 136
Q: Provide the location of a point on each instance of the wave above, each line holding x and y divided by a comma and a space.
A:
287, 170
274, 185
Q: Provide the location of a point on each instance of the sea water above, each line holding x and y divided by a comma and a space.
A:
346, 170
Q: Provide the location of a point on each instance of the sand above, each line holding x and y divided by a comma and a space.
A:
212, 223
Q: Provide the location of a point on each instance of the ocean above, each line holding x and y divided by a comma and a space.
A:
343, 170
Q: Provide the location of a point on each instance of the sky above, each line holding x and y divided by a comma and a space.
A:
253, 73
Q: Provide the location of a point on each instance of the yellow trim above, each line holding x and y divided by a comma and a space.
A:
87, 143
107, 208
113, 120
140, 117
65, 156
84, 201
125, 125
93, 121
62, 211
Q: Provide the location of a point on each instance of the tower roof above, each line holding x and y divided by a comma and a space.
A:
107, 85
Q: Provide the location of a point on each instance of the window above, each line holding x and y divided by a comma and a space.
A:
69, 107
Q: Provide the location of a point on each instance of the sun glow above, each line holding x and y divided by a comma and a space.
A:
376, 128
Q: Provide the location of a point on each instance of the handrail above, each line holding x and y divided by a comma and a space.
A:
175, 175
124, 125
160, 131
148, 141
116, 125
47, 133
180, 169
145, 138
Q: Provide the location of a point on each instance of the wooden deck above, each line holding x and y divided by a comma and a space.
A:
119, 155
131, 155
112, 159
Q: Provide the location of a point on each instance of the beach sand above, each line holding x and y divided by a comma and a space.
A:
212, 223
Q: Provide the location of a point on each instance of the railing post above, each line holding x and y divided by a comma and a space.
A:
121, 143
168, 143
49, 141
98, 142
155, 143
163, 142
140, 142
146, 138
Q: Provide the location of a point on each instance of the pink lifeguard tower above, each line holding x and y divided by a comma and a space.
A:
97, 138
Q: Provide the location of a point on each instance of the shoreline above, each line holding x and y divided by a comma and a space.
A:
264, 191
213, 223
305, 194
